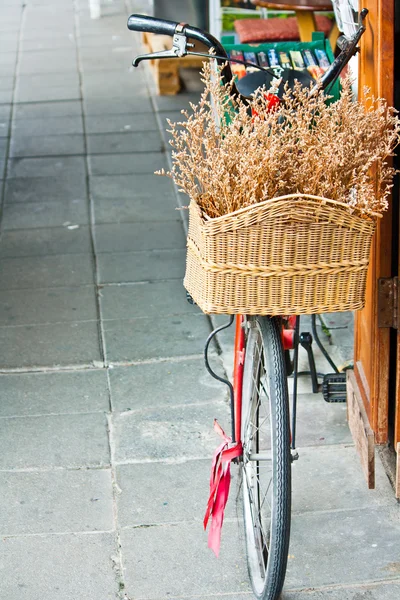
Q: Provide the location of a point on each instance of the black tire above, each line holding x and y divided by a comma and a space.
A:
266, 484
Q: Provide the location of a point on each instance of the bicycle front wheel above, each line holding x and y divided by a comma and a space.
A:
266, 466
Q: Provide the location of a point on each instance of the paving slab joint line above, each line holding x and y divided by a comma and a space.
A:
53, 368
226, 595
44, 323
166, 524
100, 329
176, 460
132, 283
54, 533
144, 318
116, 491
53, 414
9, 129
149, 409
332, 511
344, 586
151, 361
104, 467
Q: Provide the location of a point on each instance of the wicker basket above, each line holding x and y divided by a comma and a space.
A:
295, 254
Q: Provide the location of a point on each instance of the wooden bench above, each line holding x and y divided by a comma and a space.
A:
166, 70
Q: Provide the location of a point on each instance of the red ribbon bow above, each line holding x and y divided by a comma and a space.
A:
219, 487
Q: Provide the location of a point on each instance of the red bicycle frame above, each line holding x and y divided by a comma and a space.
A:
288, 342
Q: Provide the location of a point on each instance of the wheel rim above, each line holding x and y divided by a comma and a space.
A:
258, 480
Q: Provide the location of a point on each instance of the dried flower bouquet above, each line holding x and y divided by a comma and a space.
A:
338, 151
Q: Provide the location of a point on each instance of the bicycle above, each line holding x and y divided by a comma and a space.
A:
263, 439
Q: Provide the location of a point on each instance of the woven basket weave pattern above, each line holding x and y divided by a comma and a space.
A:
291, 255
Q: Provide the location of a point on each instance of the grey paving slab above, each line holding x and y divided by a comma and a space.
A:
7, 69
113, 63
183, 382
45, 214
46, 82
330, 478
49, 145
9, 44
65, 41
46, 94
33, 33
3, 146
181, 552
8, 59
49, 345
125, 164
106, 40
144, 300
115, 77
6, 96
125, 142
46, 271
60, 125
127, 237
28, 394
4, 125
124, 123
141, 266
148, 186
42, 242
70, 166
34, 21
47, 61
2, 168
136, 207
56, 502
12, 26
179, 433
6, 83
167, 493
47, 111
118, 48
51, 305
341, 328
5, 112
113, 25
41, 11
117, 105
174, 103
62, 188
329, 423
80, 567
345, 546
143, 339
54, 441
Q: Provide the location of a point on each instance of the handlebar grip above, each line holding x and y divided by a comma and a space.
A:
151, 25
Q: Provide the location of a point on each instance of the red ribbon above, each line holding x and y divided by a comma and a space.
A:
219, 487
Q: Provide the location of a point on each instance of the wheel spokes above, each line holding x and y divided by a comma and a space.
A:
258, 434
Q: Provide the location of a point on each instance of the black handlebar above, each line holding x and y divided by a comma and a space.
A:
151, 25
164, 27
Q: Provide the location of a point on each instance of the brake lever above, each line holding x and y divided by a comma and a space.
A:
179, 48
349, 48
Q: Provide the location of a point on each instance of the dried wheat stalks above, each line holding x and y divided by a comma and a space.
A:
338, 151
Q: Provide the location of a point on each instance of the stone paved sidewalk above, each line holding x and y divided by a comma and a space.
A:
105, 407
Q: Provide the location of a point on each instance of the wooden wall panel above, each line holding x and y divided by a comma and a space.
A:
371, 360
